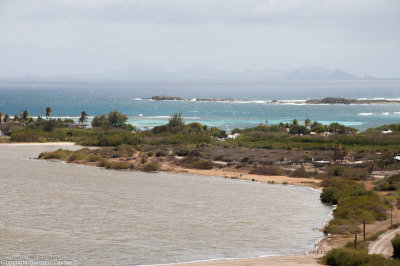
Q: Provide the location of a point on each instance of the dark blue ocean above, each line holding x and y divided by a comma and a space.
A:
68, 99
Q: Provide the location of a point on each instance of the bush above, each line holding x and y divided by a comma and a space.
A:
396, 247
183, 152
389, 184
151, 167
95, 158
330, 195
77, 156
352, 257
161, 154
348, 172
28, 135
119, 139
202, 164
101, 163
354, 204
59, 154
300, 172
117, 165
266, 170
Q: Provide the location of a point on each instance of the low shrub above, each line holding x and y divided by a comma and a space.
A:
396, 247
202, 164
117, 165
389, 184
353, 257
120, 139
77, 156
354, 205
267, 170
300, 172
28, 135
101, 163
59, 154
183, 152
348, 172
151, 167
95, 158
161, 153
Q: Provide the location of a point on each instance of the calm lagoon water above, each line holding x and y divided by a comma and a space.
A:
52, 210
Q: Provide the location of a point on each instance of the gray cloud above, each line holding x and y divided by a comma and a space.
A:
57, 36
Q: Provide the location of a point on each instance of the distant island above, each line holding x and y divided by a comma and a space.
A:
333, 100
326, 100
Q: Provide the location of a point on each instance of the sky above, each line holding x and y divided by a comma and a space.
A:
51, 37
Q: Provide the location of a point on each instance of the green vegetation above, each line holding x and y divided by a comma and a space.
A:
294, 136
355, 257
117, 165
201, 164
151, 167
59, 154
267, 170
391, 183
114, 119
396, 247
355, 204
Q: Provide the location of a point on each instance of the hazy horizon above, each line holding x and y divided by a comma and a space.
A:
72, 37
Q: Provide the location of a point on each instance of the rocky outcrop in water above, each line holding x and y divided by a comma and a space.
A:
333, 100
166, 98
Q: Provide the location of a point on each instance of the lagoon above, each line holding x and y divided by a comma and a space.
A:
53, 210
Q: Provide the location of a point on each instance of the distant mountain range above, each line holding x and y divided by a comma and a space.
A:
153, 73
138, 72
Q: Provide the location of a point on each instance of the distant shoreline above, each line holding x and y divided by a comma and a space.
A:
324, 101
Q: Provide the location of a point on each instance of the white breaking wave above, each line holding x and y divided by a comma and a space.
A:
385, 113
365, 113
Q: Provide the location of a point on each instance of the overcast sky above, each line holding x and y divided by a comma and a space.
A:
44, 37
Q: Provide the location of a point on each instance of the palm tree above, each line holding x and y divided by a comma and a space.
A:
25, 115
83, 117
48, 112
295, 122
307, 122
6, 118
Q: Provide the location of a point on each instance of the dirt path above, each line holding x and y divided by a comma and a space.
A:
383, 244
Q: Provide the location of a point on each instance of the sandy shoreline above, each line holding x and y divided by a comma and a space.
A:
37, 143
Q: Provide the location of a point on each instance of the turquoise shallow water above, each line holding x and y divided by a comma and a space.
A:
68, 99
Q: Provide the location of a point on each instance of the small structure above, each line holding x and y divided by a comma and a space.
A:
233, 136
387, 131
397, 159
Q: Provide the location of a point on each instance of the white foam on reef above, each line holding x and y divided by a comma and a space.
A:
365, 114
385, 113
